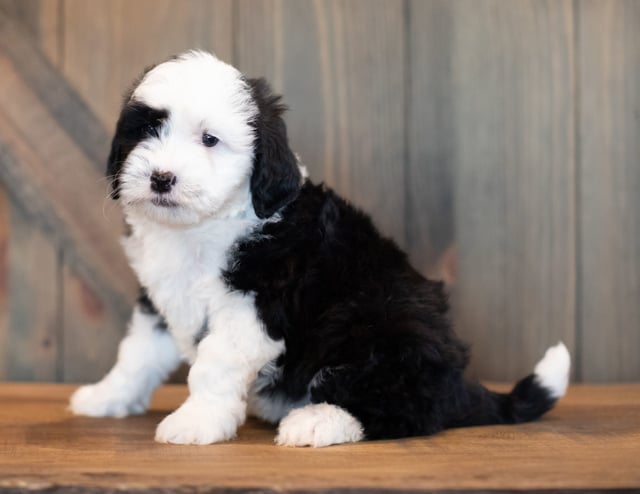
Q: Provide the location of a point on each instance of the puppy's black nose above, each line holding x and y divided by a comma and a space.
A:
162, 181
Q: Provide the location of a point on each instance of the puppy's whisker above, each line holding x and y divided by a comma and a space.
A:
106, 204
109, 186
110, 178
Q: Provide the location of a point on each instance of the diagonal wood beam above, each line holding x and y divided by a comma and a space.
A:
54, 91
52, 150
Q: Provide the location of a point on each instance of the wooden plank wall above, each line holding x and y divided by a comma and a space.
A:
515, 165
608, 36
495, 141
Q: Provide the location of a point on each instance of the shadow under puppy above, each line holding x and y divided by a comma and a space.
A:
284, 298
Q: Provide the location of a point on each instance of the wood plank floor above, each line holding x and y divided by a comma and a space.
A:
591, 441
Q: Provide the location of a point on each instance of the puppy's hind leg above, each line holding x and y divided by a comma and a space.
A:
318, 425
146, 356
388, 396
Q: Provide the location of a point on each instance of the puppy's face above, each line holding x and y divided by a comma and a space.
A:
189, 144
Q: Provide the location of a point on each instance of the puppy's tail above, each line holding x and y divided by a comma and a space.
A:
529, 399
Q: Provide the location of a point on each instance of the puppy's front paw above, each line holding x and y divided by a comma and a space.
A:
318, 425
102, 400
196, 424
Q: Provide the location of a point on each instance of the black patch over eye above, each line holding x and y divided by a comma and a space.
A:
209, 140
130, 130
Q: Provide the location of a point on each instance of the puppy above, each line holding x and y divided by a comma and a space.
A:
284, 298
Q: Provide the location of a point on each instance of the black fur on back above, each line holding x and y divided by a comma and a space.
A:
275, 180
362, 329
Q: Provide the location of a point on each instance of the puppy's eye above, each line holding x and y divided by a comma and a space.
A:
152, 128
209, 140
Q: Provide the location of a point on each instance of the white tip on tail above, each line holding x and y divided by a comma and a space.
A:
552, 372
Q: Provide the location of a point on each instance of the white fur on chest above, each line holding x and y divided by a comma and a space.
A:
181, 270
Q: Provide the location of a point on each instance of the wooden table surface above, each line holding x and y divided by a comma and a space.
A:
591, 441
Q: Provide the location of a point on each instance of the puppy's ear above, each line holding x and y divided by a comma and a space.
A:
276, 177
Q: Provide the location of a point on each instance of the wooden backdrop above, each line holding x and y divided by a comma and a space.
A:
497, 141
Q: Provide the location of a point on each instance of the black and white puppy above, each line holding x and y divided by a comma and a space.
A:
284, 298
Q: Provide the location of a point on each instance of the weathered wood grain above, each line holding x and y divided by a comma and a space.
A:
430, 186
609, 181
37, 73
5, 238
513, 74
590, 442
340, 66
33, 312
56, 184
128, 36
30, 310
36, 322
92, 329
40, 19
49, 29
258, 41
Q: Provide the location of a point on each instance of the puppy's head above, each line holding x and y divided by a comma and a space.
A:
197, 140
